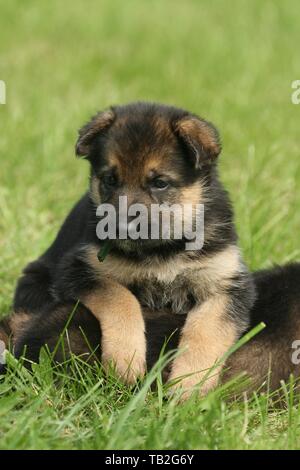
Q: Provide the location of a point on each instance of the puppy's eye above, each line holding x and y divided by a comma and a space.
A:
159, 183
109, 180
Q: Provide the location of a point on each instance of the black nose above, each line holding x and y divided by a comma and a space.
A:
125, 222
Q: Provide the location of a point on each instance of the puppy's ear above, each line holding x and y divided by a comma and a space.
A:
200, 137
91, 130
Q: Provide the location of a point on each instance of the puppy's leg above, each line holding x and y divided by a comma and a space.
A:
123, 331
5, 331
4, 342
32, 332
33, 288
206, 337
10, 328
116, 308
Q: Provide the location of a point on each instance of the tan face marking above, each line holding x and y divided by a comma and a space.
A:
192, 194
94, 190
142, 169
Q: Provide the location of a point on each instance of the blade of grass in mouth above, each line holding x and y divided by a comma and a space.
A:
104, 250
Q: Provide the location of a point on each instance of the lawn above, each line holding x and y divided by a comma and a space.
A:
232, 62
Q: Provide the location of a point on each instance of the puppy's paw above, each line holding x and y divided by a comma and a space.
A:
129, 365
123, 330
187, 378
125, 354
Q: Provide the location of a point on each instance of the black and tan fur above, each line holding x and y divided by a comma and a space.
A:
209, 292
266, 359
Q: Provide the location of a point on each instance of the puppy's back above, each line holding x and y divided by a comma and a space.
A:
268, 357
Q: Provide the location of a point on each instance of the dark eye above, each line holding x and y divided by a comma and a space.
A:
159, 183
109, 180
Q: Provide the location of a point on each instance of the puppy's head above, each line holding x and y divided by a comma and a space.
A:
150, 153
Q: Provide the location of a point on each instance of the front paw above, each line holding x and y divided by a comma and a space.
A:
188, 378
126, 359
122, 328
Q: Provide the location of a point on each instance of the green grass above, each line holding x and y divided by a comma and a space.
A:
232, 62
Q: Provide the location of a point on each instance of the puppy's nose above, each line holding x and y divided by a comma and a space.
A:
126, 225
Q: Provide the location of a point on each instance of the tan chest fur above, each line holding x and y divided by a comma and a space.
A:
176, 283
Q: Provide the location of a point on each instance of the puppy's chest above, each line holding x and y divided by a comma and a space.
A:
175, 297
173, 286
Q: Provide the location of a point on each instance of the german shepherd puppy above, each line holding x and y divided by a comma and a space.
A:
152, 154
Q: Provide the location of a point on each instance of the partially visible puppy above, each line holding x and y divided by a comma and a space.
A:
274, 354
152, 154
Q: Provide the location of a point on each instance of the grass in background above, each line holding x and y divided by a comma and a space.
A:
231, 62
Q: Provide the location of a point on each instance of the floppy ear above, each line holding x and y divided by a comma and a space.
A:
89, 132
201, 137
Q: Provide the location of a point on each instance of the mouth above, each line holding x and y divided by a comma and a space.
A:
139, 244
146, 251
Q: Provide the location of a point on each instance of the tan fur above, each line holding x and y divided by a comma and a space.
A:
127, 272
94, 190
143, 168
114, 162
194, 195
205, 338
123, 331
201, 132
158, 162
216, 272
209, 270
191, 194
18, 321
102, 120
4, 337
224, 264
86, 134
